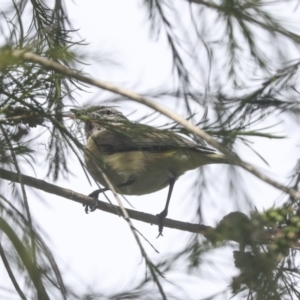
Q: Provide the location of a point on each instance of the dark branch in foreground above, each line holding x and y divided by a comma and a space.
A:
265, 237
114, 209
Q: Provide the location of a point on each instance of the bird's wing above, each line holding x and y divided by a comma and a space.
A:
142, 137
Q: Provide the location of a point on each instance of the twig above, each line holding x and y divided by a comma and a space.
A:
24, 194
28, 56
134, 232
246, 17
114, 209
11, 274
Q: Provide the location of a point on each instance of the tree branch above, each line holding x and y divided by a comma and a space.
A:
31, 57
265, 237
113, 209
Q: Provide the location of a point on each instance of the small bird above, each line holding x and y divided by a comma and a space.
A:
138, 159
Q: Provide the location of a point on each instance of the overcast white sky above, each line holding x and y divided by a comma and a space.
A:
99, 248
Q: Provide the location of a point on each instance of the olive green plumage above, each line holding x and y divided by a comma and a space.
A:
148, 157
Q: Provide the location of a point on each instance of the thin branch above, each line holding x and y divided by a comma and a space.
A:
28, 56
265, 238
34, 271
10, 274
104, 206
248, 18
134, 232
25, 199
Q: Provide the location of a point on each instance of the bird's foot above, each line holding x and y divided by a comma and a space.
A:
94, 204
161, 218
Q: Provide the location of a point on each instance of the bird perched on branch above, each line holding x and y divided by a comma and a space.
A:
138, 159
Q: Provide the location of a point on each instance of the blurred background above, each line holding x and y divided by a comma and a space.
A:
231, 68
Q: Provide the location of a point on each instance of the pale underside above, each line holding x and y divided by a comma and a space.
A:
149, 171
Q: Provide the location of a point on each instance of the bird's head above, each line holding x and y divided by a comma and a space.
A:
97, 118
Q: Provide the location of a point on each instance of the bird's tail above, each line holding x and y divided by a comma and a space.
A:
201, 159
216, 158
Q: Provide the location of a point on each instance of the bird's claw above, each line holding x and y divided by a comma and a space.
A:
161, 218
94, 205
91, 207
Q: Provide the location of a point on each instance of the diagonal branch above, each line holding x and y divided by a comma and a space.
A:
31, 57
266, 236
134, 232
113, 209
11, 274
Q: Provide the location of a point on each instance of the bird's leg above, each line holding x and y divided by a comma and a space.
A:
164, 213
93, 206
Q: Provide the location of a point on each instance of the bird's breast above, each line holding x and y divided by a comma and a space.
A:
149, 171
